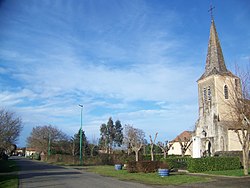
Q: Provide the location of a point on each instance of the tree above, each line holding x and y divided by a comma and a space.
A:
111, 135
118, 134
239, 105
10, 128
107, 135
73, 146
134, 139
165, 147
47, 138
152, 143
185, 144
76, 144
93, 146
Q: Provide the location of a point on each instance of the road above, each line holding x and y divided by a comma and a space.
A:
35, 174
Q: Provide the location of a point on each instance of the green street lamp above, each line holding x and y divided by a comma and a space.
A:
81, 136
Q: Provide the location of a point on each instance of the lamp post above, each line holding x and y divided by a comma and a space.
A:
81, 136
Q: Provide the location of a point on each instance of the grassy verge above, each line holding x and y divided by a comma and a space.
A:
238, 172
8, 180
147, 178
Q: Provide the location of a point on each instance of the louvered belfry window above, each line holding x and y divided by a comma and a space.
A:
226, 91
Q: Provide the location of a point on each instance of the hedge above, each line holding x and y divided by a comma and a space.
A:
157, 157
176, 162
213, 164
145, 166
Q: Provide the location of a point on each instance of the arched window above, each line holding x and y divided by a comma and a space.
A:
237, 85
209, 93
205, 94
226, 92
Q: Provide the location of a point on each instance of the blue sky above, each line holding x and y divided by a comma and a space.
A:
137, 61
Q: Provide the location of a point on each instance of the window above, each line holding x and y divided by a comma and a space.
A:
226, 92
205, 94
209, 93
236, 83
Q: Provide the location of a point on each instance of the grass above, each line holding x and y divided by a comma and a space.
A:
8, 180
147, 178
237, 172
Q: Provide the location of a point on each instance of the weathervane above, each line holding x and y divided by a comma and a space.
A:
211, 11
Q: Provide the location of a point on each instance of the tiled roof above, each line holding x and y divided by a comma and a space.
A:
185, 135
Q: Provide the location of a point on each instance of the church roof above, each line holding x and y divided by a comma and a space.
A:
215, 64
184, 136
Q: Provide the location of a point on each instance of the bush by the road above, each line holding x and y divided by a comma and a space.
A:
145, 166
176, 162
213, 164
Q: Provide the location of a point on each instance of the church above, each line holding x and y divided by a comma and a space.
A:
212, 130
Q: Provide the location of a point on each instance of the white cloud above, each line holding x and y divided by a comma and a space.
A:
8, 98
147, 82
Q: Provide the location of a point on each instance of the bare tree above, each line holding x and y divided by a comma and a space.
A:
165, 147
152, 143
10, 128
134, 139
239, 105
43, 137
185, 144
73, 146
93, 145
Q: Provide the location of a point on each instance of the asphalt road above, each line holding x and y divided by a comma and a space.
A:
35, 174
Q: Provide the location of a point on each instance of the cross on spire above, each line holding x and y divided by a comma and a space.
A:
211, 11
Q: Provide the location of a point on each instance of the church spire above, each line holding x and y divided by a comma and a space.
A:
215, 63
215, 59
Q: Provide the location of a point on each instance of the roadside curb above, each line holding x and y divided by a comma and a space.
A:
212, 175
9, 173
219, 176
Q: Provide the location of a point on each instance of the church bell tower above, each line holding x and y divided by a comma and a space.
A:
214, 86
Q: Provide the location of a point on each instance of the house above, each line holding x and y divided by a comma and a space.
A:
30, 151
20, 151
186, 140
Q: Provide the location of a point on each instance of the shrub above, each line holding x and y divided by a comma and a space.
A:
176, 162
37, 156
213, 164
106, 159
122, 158
145, 166
131, 167
228, 154
3, 155
111, 159
157, 157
